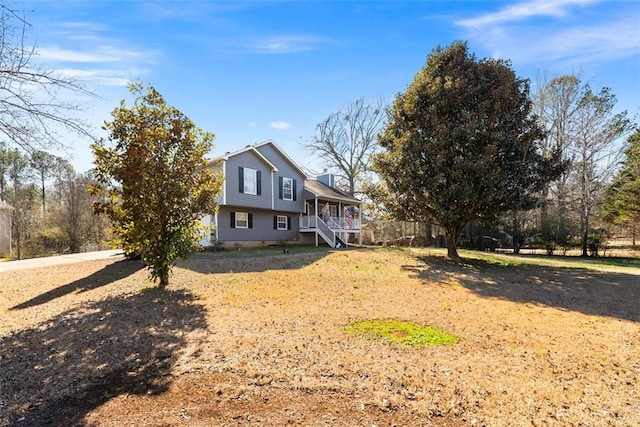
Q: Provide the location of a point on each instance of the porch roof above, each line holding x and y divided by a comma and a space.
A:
319, 190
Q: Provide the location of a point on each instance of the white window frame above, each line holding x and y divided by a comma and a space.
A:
282, 222
333, 211
242, 217
287, 182
250, 179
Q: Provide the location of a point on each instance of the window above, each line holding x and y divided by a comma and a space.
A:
241, 220
333, 211
249, 181
287, 189
281, 222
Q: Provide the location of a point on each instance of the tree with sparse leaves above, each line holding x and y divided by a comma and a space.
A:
152, 180
461, 144
34, 101
346, 139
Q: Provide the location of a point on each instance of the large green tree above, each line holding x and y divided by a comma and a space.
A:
622, 202
152, 181
461, 143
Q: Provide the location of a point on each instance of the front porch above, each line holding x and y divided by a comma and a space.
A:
331, 214
334, 231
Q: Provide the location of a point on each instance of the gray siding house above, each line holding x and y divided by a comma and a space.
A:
265, 201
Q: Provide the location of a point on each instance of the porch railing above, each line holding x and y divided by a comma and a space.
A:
334, 223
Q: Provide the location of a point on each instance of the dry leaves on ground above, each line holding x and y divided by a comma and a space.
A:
258, 338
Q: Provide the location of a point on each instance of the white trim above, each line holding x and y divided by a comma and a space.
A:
255, 181
284, 197
273, 193
224, 183
217, 227
286, 222
227, 156
246, 220
283, 154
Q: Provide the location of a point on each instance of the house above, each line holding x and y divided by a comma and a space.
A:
267, 199
5, 229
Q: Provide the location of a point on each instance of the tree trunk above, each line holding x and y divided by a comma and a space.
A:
164, 277
452, 234
517, 234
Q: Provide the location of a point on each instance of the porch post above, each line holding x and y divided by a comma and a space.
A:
360, 222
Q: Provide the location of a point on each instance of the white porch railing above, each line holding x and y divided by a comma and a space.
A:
329, 232
339, 224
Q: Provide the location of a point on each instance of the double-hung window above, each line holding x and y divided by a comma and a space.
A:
242, 220
287, 189
281, 222
250, 181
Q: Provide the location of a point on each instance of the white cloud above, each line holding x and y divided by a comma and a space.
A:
252, 124
287, 44
106, 54
565, 35
523, 11
280, 125
100, 76
81, 50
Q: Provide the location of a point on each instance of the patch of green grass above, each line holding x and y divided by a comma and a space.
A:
400, 332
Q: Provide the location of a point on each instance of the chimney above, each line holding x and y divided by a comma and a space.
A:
327, 179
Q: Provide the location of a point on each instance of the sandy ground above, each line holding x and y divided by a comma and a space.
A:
258, 339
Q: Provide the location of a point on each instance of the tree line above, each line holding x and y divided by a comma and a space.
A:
465, 147
51, 204
469, 148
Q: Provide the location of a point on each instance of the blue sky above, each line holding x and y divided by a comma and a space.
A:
257, 70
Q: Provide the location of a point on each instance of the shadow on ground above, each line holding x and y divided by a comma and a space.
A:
57, 372
254, 261
109, 274
586, 291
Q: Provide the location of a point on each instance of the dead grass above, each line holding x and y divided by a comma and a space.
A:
258, 339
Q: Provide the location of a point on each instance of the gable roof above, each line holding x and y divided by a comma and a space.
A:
323, 191
283, 154
254, 148
228, 155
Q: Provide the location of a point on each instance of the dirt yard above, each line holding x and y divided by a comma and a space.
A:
258, 339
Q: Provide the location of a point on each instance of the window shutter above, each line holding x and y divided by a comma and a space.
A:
288, 223
275, 222
258, 182
294, 190
241, 179
250, 220
233, 220
280, 187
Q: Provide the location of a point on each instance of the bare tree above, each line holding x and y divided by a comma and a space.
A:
43, 165
346, 139
21, 194
556, 106
597, 154
72, 210
33, 100
581, 126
